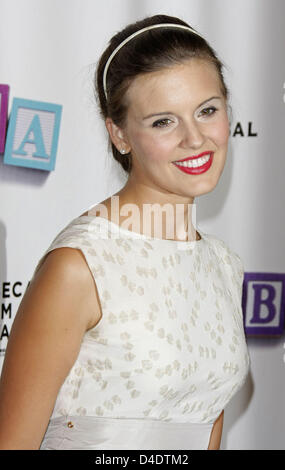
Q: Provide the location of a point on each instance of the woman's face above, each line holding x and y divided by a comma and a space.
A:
175, 113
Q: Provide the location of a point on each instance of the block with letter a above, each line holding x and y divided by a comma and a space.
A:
32, 136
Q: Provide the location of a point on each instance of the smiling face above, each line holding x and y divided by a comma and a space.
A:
175, 113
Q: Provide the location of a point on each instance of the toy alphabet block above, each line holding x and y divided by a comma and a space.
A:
32, 136
4, 95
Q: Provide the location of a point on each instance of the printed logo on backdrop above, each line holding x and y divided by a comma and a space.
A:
10, 294
32, 136
244, 130
263, 303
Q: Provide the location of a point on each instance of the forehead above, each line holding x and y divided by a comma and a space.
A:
188, 83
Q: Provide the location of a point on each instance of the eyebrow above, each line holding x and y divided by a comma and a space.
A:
169, 112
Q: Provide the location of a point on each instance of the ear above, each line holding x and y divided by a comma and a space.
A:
117, 136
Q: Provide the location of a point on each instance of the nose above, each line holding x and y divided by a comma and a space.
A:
192, 136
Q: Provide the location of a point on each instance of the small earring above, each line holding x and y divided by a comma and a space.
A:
123, 151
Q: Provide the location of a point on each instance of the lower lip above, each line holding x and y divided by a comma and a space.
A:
197, 170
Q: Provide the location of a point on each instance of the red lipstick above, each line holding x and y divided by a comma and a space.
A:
200, 167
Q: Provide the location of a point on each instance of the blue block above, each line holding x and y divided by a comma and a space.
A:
32, 136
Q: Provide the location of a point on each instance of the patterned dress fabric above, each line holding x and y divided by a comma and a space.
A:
169, 351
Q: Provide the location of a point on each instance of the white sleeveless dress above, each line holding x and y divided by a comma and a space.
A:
168, 353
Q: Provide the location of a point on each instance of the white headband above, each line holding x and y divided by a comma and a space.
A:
160, 25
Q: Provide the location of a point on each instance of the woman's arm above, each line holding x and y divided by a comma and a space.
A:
216, 434
57, 308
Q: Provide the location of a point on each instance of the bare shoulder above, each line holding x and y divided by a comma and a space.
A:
65, 270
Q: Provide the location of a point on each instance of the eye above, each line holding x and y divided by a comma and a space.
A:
162, 122
209, 111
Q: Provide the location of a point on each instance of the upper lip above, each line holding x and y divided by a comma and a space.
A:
207, 152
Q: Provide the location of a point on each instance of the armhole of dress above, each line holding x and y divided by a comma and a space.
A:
236, 267
236, 272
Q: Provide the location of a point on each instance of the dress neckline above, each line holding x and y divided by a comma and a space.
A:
131, 234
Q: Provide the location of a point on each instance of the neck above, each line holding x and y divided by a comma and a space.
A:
156, 214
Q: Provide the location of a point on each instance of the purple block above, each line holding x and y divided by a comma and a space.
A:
4, 95
263, 303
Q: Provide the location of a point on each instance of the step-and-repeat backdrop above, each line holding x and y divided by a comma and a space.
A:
54, 162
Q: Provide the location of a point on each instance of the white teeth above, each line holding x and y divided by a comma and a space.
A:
194, 163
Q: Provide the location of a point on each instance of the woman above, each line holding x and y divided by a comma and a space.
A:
125, 338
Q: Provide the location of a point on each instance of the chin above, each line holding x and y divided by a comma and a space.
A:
204, 188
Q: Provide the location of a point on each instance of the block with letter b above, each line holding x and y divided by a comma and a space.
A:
32, 136
263, 303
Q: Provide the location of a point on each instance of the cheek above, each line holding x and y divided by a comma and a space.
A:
220, 132
152, 147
